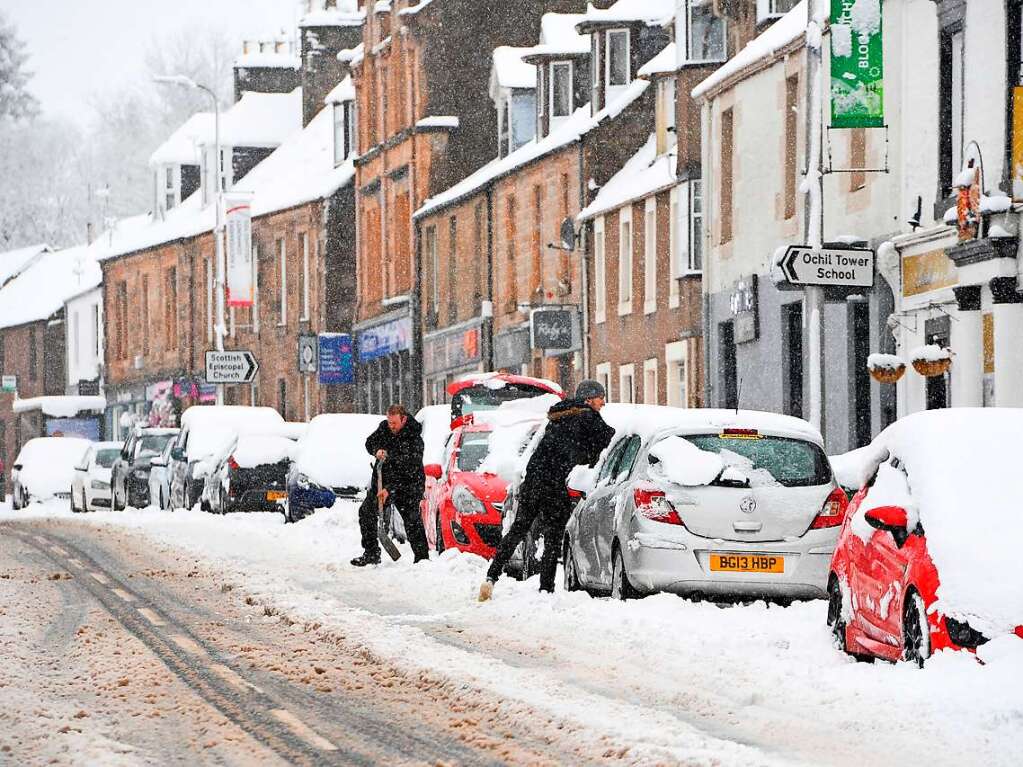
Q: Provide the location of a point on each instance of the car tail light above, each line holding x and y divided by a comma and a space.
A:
232, 464
748, 433
575, 495
1019, 631
655, 506
833, 512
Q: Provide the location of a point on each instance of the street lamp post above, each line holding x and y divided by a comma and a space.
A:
220, 328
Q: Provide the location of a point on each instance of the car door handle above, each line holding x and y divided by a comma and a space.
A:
747, 527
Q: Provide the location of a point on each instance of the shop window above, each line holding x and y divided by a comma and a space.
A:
617, 70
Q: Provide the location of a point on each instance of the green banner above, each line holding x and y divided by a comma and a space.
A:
857, 65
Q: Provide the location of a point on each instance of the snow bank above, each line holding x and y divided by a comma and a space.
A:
333, 451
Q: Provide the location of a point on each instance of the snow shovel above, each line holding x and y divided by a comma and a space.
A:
384, 518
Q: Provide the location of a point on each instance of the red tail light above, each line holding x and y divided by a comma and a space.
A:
232, 464
574, 494
655, 506
833, 512
1019, 631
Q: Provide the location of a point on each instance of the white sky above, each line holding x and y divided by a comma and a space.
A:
80, 47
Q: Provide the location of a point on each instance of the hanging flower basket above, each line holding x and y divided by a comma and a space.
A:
932, 360
885, 368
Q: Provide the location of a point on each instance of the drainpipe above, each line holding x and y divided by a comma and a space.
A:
487, 309
585, 277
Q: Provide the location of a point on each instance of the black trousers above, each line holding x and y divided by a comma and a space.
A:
408, 506
553, 516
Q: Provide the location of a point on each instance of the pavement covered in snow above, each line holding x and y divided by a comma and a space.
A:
678, 681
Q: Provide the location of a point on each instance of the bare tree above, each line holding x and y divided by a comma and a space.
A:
15, 100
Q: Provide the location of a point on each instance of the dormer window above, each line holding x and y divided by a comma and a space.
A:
561, 94
769, 10
617, 69
169, 187
704, 32
516, 119
344, 131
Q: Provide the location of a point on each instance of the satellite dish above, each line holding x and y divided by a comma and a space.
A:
568, 234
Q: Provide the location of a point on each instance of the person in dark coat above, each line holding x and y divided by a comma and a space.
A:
575, 434
398, 444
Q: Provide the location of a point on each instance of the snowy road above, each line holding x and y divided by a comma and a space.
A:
529, 679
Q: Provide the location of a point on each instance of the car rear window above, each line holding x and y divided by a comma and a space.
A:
791, 462
152, 444
474, 448
106, 457
475, 399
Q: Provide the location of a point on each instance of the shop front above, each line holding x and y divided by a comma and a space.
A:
385, 373
449, 354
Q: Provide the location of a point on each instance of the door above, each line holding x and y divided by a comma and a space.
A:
589, 512
608, 517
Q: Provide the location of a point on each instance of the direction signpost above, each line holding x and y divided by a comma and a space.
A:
838, 267
233, 367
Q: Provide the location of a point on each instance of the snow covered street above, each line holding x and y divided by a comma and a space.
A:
661, 680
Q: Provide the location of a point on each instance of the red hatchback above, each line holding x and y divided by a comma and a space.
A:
462, 508
927, 558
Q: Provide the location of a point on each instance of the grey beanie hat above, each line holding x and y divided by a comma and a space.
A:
589, 389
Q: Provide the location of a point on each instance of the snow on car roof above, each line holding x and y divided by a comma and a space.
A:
260, 449
333, 451
647, 420
962, 465
250, 419
66, 448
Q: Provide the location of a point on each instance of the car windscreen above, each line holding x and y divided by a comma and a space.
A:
478, 398
782, 460
105, 458
152, 444
475, 446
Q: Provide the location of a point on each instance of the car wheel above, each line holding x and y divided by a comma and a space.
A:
835, 610
916, 636
571, 572
620, 586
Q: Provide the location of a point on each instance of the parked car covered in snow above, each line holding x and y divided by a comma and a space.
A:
130, 473
481, 392
159, 478
90, 489
45, 468
206, 430
330, 462
706, 503
251, 474
928, 557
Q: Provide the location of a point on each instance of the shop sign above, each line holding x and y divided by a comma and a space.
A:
744, 303
857, 66
383, 340
551, 328
307, 354
238, 217
451, 350
336, 359
9, 384
924, 272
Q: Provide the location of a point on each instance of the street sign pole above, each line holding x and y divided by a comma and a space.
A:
814, 294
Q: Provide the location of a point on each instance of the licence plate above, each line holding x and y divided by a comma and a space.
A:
276, 495
747, 563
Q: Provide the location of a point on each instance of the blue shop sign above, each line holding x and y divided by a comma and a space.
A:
337, 363
383, 340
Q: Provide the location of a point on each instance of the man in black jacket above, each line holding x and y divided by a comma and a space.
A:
575, 434
398, 444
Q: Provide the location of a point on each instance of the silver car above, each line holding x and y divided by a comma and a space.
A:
707, 503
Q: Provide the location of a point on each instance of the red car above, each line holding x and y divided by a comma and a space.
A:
926, 559
488, 391
462, 508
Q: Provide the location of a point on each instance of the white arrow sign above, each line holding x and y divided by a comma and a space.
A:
230, 367
842, 267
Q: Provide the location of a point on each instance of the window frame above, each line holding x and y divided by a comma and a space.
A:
676, 358
555, 66
651, 366
305, 277
690, 58
627, 372
695, 233
610, 89
599, 272
282, 281
626, 237
650, 255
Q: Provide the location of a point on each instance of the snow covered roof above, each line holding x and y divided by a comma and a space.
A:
41, 289
268, 60
146, 230
510, 71
661, 64
351, 56
182, 148
62, 406
345, 91
345, 14
759, 52
14, 261
559, 35
651, 12
571, 130
644, 174
261, 119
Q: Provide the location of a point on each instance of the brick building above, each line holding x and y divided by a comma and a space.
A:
421, 78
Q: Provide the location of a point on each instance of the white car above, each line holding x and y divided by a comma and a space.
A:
90, 488
45, 468
706, 503
159, 478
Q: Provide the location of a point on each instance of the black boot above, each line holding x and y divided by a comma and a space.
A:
365, 560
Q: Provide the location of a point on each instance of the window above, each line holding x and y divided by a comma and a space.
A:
706, 40
603, 371
695, 225
226, 175
650, 256
536, 262
726, 175
145, 314
676, 386
791, 136
595, 72
521, 119
665, 115
511, 239
617, 72
121, 304
599, 273
170, 309
773, 9
627, 383
168, 187
304, 276
650, 391
32, 355
541, 88
561, 91
951, 104
340, 142
452, 269
675, 227
433, 259
282, 282
625, 261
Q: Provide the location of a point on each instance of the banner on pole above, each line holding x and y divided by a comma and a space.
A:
238, 218
857, 64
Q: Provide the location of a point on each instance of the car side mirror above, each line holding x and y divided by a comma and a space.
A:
581, 481
18, 466
178, 454
434, 470
891, 518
